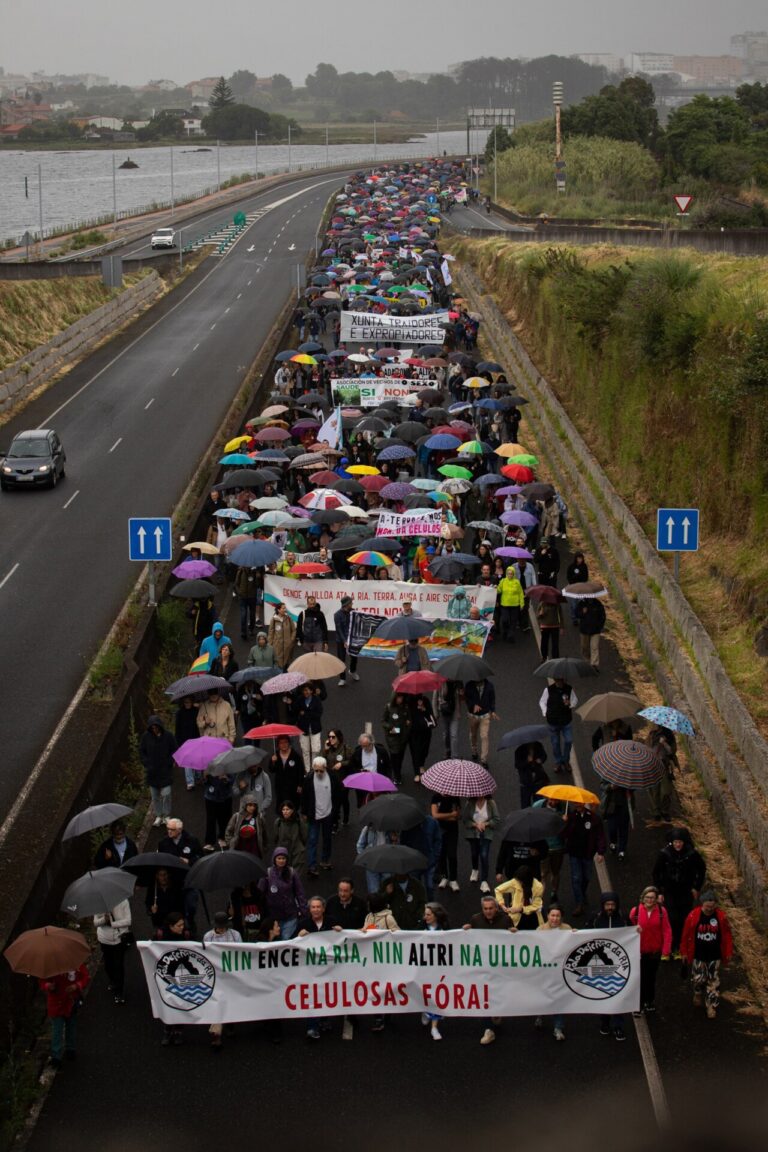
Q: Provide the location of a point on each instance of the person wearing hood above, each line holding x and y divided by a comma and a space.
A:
284, 894
679, 875
281, 634
706, 946
256, 782
156, 750
291, 830
510, 597
262, 655
211, 646
459, 605
610, 916
246, 831
216, 718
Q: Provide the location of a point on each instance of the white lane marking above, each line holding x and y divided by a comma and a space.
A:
5, 579
239, 295
72, 497
196, 347
226, 310
212, 327
174, 372
251, 281
118, 441
149, 405
220, 264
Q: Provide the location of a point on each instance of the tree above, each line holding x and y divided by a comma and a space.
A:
499, 140
324, 82
241, 84
164, 126
237, 122
282, 87
618, 112
698, 131
221, 96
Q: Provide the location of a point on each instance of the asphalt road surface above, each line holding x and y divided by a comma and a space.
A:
464, 217
399, 1086
135, 419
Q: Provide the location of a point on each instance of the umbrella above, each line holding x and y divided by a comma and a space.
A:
396, 491
236, 760
201, 546
609, 706
242, 478
527, 734
544, 593
461, 778
668, 718
47, 952
369, 782
441, 443
324, 498
269, 504
310, 568
519, 519
381, 544
392, 858
144, 866
197, 754
569, 793
247, 675
272, 731
586, 590
536, 491
531, 824
97, 892
628, 764
464, 667
329, 516
317, 665
193, 590
189, 685
235, 444
485, 526
564, 668
97, 816
370, 559
222, 870
285, 682
451, 566
392, 452
194, 569
362, 470
348, 487
414, 683
453, 471
391, 812
256, 554
404, 628
513, 553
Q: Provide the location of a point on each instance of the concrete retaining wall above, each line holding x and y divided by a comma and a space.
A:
44, 362
729, 753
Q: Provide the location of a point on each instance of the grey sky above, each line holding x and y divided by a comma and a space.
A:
183, 40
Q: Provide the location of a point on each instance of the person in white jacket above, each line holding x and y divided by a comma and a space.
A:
113, 933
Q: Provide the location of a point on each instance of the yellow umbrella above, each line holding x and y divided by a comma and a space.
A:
303, 358
233, 445
568, 792
476, 382
511, 450
362, 470
202, 546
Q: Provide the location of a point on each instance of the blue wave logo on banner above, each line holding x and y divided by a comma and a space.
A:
184, 979
597, 969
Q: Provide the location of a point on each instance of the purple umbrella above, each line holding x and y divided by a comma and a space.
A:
286, 682
461, 778
369, 782
396, 491
197, 754
521, 519
508, 490
515, 553
194, 570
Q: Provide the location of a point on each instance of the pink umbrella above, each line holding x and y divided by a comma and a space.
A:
194, 570
197, 754
514, 553
267, 435
369, 782
458, 778
286, 682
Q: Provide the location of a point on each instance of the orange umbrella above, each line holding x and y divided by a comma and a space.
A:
47, 952
569, 793
511, 450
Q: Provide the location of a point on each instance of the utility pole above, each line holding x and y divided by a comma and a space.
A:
256, 144
374, 142
327, 160
289, 147
114, 190
438, 135
495, 158
172, 188
557, 100
40, 203
218, 165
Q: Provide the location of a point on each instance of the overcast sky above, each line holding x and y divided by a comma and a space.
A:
183, 40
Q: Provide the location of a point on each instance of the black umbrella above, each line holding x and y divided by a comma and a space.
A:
528, 734
464, 667
97, 892
389, 544
489, 366
190, 685
235, 760
346, 543
564, 668
404, 628
144, 867
391, 812
329, 516
371, 424
531, 824
97, 816
225, 870
193, 589
451, 566
410, 430
392, 858
242, 478
348, 487
313, 400
253, 675
537, 490
418, 500
439, 415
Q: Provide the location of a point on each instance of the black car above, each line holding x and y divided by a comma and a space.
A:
34, 458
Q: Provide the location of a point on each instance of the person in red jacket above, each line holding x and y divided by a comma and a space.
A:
706, 944
655, 943
62, 997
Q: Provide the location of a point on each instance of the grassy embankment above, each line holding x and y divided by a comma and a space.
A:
662, 363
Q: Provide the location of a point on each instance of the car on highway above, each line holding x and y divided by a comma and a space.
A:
35, 458
163, 238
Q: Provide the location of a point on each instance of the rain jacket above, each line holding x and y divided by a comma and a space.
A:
283, 890
510, 591
63, 992
156, 752
655, 930
211, 646
396, 723
459, 605
261, 657
690, 928
518, 907
293, 834
282, 636
219, 712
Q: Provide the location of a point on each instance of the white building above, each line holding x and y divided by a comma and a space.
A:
649, 63
609, 60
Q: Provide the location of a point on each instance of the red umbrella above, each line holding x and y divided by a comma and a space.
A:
309, 568
272, 731
545, 593
518, 473
414, 683
374, 483
323, 479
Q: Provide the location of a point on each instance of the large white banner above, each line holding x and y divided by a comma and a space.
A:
460, 973
370, 392
362, 327
382, 597
419, 522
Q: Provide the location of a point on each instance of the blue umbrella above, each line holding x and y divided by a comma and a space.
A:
310, 346
489, 479
490, 405
442, 443
236, 458
396, 452
233, 514
286, 355
668, 718
256, 554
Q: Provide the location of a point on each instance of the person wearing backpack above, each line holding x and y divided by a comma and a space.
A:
590, 615
312, 629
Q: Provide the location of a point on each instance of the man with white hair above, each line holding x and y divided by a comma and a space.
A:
320, 797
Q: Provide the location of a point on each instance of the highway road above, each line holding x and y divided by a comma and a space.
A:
135, 419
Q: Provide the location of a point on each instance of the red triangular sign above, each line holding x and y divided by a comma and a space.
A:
683, 203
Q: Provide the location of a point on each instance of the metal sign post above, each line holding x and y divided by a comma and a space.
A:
677, 530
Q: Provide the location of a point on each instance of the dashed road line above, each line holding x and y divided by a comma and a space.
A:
72, 497
5, 579
149, 404
196, 347
175, 371
118, 441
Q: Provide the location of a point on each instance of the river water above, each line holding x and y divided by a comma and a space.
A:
80, 187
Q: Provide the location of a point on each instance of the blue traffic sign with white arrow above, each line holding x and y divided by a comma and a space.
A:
149, 538
677, 530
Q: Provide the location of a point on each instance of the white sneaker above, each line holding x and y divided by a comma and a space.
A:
443, 883
485, 886
425, 1019
454, 886
474, 876
156, 823
559, 1034
342, 684
488, 1036
354, 675
436, 1032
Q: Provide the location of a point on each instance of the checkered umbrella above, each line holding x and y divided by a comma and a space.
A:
459, 778
627, 764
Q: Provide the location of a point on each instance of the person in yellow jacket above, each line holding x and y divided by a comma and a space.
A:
511, 599
527, 899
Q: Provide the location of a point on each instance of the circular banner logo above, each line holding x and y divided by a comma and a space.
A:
184, 979
597, 969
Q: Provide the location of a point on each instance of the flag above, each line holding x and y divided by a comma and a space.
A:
331, 430
428, 275
446, 271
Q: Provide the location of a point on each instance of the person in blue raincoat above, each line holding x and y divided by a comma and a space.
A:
211, 646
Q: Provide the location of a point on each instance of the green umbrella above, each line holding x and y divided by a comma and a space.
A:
471, 448
526, 461
454, 472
